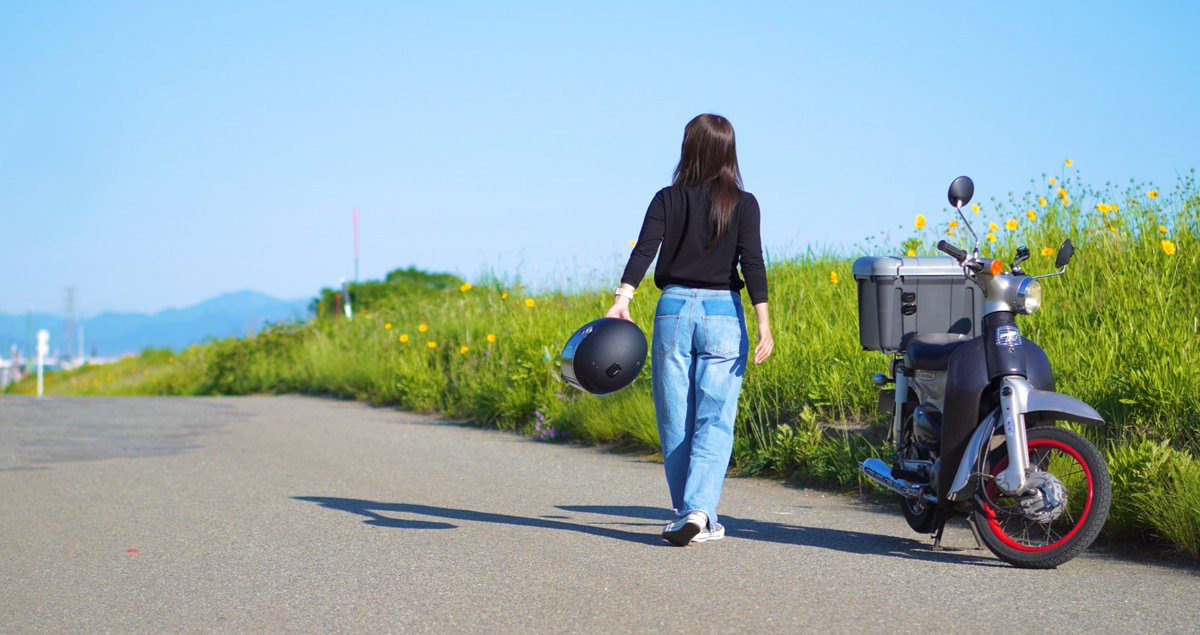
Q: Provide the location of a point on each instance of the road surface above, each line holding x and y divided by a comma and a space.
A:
303, 514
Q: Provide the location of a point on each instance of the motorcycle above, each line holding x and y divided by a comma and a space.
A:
973, 406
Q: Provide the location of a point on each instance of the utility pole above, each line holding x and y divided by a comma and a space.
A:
68, 348
355, 245
29, 354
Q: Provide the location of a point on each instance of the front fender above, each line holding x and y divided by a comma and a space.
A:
1045, 406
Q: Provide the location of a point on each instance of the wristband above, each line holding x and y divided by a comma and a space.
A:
622, 293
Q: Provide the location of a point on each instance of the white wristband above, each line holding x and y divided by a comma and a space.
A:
623, 293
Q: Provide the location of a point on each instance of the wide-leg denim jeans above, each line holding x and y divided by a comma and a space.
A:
698, 360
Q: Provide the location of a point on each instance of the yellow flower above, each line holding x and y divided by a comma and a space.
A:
1070, 163
975, 207
1162, 229
463, 350
387, 326
1112, 228
953, 224
491, 338
1152, 193
633, 243
1062, 193
431, 344
993, 227
949, 232
991, 237
1042, 201
1066, 202
1168, 247
1011, 224
466, 286
1047, 251
1053, 181
912, 253
530, 303
920, 223
504, 296
1114, 207
404, 338
1103, 208
833, 277
422, 327
1030, 214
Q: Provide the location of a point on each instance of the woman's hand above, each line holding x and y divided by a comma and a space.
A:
619, 309
766, 343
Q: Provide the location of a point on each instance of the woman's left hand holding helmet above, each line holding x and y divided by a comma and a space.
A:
766, 343
620, 306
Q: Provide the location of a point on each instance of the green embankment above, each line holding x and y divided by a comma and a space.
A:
1122, 329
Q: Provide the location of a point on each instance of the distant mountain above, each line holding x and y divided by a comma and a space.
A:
114, 334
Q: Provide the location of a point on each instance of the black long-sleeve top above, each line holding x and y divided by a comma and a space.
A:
678, 218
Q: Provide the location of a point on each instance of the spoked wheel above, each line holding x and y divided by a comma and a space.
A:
1063, 512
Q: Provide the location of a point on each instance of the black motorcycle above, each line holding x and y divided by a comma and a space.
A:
973, 408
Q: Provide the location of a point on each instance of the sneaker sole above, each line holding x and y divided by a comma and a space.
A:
683, 536
707, 538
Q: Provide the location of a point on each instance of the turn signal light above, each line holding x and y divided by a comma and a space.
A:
997, 267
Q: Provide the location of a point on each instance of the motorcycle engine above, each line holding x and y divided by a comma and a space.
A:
927, 427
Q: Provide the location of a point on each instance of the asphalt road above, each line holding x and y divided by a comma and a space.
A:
299, 514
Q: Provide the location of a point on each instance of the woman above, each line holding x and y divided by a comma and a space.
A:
707, 227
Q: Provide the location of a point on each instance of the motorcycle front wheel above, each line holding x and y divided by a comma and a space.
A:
1038, 530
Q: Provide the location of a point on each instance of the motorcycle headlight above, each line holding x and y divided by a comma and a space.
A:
1029, 296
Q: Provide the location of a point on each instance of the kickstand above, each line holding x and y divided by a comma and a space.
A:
975, 532
937, 533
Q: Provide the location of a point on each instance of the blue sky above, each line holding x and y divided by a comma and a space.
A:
156, 154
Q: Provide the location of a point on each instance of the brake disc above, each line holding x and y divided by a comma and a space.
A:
1044, 499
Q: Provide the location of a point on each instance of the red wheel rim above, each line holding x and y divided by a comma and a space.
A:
993, 517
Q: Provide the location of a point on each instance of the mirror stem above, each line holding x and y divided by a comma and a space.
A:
970, 229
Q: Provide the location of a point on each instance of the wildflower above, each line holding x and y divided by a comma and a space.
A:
463, 350
466, 286
993, 227
912, 253
1168, 247
1112, 228
1031, 215
1047, 251
1066, 202
1042, 201
504, 296
491, 338
920, 223
991, 237
1103, 208
949, 232
1162, 229
1152, 194
1062, 193
170, 360
422, 327
431, 344
530, 303
953, 224
1114, 207
975, 207
633, 243
1053, 181
387, 326
1070, 163
833, 277
404, 338
1011, 224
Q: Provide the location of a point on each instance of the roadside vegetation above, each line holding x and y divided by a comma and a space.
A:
1122, 330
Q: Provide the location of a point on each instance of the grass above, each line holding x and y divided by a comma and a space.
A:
1122, 329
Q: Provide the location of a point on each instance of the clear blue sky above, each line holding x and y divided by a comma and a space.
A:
155, 154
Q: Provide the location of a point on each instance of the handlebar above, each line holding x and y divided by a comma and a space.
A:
945, 247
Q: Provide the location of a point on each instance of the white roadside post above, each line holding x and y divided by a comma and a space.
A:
43, 349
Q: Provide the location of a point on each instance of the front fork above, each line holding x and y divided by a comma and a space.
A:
1014, 394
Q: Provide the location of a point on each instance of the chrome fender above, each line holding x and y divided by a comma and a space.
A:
1020, 404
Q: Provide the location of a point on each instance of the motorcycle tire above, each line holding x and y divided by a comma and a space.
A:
919, 515
1052, 539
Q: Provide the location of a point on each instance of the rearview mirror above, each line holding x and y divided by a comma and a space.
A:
961, 191
1064, 254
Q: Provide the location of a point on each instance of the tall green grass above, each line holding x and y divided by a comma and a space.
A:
1122, 329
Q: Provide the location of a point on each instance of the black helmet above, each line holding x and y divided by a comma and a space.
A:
604, 356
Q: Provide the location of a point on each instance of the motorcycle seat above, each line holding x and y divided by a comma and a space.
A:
931, 351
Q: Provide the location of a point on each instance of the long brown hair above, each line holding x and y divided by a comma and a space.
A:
709, 155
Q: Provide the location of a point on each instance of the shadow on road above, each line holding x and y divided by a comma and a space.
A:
834, 539
652, 519
373, 511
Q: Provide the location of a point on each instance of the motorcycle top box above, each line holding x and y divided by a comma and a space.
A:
901, 296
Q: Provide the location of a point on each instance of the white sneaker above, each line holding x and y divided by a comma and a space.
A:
682, 531
705, 535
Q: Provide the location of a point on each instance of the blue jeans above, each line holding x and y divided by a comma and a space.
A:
698, 359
